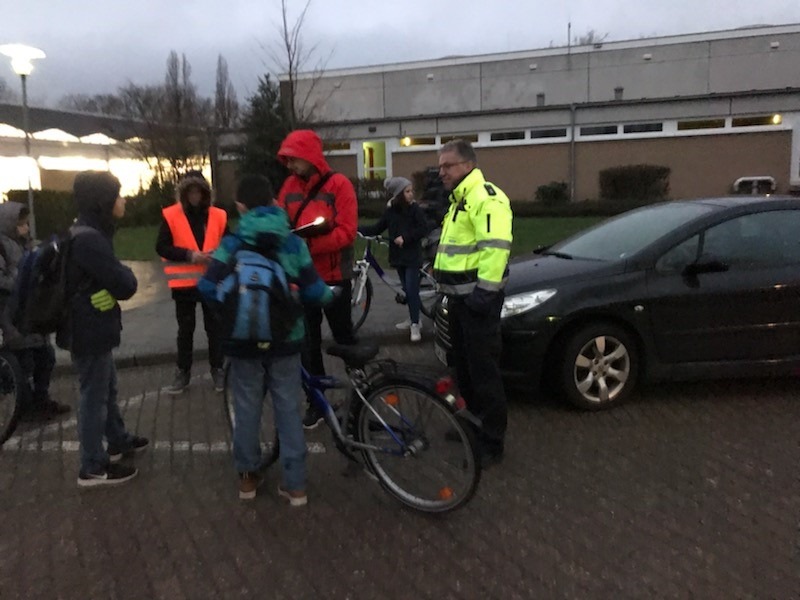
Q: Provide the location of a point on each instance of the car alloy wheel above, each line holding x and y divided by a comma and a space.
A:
599, 367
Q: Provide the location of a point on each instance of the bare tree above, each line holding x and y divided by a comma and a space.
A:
6, 93
103, 104
226, 106
170, 121
590, 37
292, 56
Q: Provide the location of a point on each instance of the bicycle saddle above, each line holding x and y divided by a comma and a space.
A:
354, 356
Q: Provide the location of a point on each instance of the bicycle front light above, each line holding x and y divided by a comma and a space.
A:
521, 303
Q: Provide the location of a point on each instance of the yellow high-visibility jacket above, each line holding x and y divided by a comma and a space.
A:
476, 238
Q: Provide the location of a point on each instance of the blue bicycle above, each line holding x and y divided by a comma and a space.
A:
407, 429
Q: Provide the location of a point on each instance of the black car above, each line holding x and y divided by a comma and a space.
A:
680, 290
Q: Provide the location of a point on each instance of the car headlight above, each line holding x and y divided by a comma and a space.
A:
520, 303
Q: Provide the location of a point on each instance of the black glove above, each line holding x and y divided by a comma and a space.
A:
482, 301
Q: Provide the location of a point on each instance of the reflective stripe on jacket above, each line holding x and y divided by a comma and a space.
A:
182, 274
476, 238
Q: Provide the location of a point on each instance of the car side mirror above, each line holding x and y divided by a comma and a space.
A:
540, 249
707, 263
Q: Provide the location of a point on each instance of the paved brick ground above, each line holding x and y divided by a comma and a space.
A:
690, 491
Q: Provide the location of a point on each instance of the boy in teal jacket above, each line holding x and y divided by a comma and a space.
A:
265, 227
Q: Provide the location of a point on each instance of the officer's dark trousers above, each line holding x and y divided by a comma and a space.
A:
476, 352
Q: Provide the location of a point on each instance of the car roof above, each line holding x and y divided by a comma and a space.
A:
734, 201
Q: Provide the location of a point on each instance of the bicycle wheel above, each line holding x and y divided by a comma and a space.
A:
428, 295
361, 301
421, 452
270, 445
12, 382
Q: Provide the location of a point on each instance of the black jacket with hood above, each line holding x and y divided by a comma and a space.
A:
93, 267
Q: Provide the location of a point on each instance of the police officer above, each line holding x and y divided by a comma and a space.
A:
471, 266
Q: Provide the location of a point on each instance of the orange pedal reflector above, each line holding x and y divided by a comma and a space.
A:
392, 399
445, 493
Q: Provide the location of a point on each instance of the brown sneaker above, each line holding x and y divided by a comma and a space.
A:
248, 484
295, 497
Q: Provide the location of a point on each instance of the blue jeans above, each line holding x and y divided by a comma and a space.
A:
409, 279
280, 375
98, 413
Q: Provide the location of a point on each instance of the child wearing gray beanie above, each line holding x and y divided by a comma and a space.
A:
406, 224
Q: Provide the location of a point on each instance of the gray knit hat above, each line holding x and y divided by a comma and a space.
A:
395, 186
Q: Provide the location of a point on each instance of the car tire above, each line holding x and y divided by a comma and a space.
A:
599, 367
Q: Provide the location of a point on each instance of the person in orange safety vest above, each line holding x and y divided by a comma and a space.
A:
190, 232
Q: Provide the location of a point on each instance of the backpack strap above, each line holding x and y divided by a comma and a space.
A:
310, 196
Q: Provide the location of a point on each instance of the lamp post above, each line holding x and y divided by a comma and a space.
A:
21, 57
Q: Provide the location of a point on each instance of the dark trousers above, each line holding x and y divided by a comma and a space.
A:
476, 352
340, 321
185, 311
37, 363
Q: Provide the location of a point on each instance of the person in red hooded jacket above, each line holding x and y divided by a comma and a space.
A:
313, 190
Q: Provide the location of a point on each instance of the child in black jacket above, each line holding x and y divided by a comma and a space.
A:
96, 279
406, 224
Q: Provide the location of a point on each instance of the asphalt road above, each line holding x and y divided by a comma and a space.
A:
689, 491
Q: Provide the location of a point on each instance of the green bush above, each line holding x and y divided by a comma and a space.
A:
371, 197
145, 207
586, 208
634, 183
553, 194
54, 211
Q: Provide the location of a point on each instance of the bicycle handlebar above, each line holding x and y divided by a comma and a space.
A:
374, 238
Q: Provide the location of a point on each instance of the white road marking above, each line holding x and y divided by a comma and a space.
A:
14, 445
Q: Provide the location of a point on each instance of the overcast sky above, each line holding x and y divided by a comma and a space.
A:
97, 46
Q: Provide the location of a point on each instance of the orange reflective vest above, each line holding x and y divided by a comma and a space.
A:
181, 274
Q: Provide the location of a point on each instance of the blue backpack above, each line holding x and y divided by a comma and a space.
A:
258, 304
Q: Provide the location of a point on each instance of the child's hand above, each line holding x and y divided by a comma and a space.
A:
399, 240
103, 300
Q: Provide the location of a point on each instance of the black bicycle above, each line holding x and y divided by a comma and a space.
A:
408, 429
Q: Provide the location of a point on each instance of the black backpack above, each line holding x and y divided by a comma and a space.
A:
42, 285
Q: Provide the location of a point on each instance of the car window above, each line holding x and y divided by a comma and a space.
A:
629, 233
760, 239
681, 255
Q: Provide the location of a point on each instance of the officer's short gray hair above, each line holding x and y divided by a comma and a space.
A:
462, 148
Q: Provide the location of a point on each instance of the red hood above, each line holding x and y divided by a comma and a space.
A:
304, 144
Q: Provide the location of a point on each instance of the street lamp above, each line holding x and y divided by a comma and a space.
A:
21, 57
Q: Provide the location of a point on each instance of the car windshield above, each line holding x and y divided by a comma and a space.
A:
627, 234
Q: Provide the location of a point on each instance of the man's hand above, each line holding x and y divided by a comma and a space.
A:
103, 301
399, 240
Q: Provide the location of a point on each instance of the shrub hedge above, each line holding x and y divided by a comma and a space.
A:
634, 183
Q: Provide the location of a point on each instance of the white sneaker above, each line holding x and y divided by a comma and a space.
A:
403, 324
416, 332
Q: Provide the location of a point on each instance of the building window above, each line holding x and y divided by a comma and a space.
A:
643, 127
599, 130
619, 91
418, 141
335, 145
539, 99
758, 121
472, 138
537, 134
503, 136
701, 124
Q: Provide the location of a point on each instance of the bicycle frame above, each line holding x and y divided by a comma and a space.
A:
315, 386
368, 260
